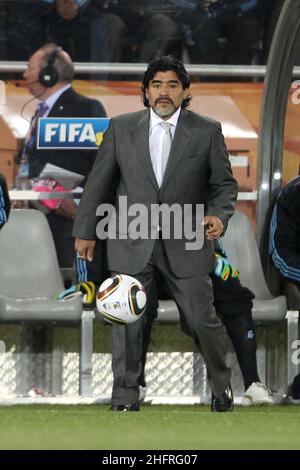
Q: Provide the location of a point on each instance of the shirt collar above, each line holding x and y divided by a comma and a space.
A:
155, 119
51, 100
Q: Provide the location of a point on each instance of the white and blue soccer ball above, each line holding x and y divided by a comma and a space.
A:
121, 299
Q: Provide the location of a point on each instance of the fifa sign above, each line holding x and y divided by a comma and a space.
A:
71, 133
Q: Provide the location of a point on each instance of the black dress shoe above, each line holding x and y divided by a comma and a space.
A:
224, 402
132, 407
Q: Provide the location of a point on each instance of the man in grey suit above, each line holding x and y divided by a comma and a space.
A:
136, 154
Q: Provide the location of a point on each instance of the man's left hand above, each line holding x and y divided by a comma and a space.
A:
215, 227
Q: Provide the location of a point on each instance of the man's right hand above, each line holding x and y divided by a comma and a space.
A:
84, 248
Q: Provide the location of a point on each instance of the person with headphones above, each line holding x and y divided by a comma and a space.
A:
49, 76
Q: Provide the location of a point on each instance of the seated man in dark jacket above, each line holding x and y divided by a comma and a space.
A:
4, 201
285, 244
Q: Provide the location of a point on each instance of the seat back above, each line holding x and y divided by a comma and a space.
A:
292, 293
28, 261
241, 248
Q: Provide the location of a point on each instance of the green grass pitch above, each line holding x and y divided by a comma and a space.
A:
154, 427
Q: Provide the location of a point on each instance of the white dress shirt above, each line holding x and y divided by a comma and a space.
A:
156, 134
51, 100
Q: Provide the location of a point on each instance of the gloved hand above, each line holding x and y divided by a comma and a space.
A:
224, 269
87, 290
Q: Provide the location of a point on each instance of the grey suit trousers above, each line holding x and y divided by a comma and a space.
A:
194, 298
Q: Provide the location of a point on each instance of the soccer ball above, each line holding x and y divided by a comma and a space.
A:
121, 299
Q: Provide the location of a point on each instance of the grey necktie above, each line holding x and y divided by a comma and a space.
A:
30, 142
41, 109
166, 146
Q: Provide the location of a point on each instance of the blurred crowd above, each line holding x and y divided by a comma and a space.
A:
200, 31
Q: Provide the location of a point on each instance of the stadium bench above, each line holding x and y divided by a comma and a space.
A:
29, 280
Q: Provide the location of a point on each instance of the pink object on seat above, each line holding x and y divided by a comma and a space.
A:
48, 186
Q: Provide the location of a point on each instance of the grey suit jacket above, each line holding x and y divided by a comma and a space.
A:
198, 172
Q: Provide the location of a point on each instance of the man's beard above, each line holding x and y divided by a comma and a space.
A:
163, 111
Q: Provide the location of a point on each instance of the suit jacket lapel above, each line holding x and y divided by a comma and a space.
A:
140, 137
181, 138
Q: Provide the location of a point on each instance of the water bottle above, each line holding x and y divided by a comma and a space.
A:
22, 181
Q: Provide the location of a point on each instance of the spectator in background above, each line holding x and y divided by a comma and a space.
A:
68, 25
108, 34
197, 26
270, 16
3, 41
144, 30
224, 31
57, 100
4, 201
25, 28
241, 27
210, 31
31, 24
71, 24
284, 245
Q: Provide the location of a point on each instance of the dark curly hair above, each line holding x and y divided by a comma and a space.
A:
164, 64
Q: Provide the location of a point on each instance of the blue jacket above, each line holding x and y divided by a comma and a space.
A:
284, 246
4, 201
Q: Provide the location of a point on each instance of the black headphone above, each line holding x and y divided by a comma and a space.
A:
48, 75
